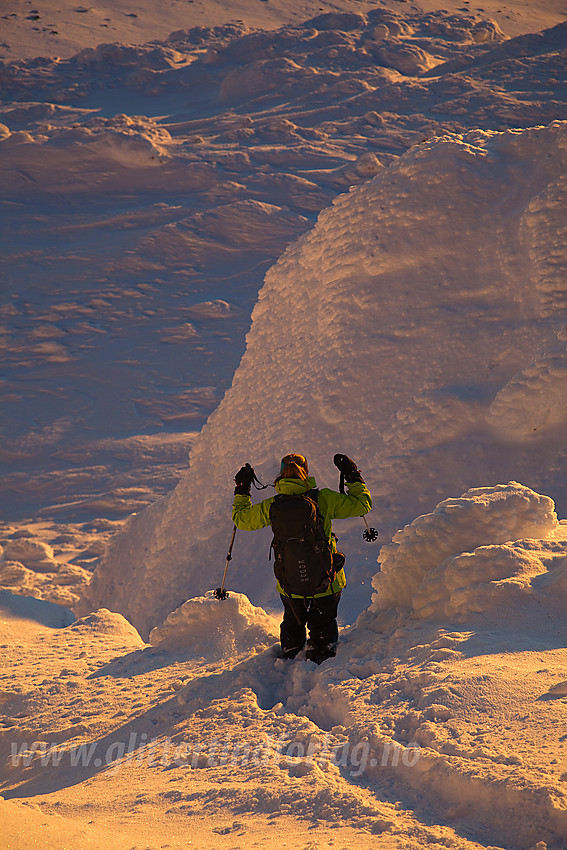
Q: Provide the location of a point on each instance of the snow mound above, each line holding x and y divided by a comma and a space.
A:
211, 628
105, 622
35, 610
496, 551
480, 516
492, 580
410, 60
34, 554
461, 27
375, 316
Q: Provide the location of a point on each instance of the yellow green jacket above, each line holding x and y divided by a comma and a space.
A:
357, 501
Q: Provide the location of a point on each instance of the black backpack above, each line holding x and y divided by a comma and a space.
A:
303, 562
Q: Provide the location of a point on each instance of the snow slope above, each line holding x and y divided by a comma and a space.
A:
399, 330
143, 181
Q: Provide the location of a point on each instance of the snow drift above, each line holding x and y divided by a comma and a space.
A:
480, 553
205, 626
481, 516
26, 608
414, 304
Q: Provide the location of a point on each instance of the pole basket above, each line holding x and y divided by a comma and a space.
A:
220, 593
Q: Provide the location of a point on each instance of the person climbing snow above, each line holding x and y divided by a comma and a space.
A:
308, 568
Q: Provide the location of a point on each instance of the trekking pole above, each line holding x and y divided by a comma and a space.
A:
370, 534
220, 592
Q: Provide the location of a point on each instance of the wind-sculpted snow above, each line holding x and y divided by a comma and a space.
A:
142, 179
453, 550
413, 301
327, 43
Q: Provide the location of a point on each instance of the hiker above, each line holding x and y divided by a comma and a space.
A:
309, 570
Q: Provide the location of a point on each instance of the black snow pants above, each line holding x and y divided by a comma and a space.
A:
320, 617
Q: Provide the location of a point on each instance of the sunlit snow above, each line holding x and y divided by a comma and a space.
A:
233, 230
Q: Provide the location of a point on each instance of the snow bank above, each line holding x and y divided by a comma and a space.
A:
403, 313
14, 608
211, 628
105, 622
441, 564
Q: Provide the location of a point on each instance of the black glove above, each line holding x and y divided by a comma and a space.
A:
348, 468
243, 480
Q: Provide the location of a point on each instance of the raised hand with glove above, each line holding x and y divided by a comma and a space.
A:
243, 480
348, 469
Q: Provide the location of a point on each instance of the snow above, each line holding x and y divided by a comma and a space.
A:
455, 707
22, 608
426, 331
155, 180
533, 399
238, 229
105, 622
424, 561
32, 552
213, 630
